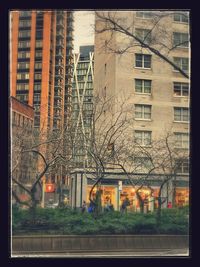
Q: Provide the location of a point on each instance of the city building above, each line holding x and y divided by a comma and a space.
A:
41, 64
41, 58
23, 165
82, 103
157, 95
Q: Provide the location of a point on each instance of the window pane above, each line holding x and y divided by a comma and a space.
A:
138, 85
147, 86
185, 114
185, 90
176, 39
177, 114
147, 138
184, 18
138, 137
147, 112
138, 111
185, 40
185, 64
138, 62
147, 61
177, 17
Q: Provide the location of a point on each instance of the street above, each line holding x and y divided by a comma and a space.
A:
114, 254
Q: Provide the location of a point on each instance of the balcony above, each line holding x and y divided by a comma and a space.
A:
59, 55
59, 43
59, 34
70, 37
60, 24
69, 55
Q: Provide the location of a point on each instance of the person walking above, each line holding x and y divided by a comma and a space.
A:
125, 204
84, 206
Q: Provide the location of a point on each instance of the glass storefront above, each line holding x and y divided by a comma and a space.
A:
182, 196
111, 194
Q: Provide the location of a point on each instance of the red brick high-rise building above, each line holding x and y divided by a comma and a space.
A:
41, 44
41, 58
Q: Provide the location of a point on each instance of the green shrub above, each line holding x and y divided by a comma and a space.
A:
65, 221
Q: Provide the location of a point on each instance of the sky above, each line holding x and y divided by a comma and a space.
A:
83, 29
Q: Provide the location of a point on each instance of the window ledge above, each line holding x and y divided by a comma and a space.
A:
140, 119
181, 47
181, 96
147, 146
181, 122
147, 94
177, 71
142, 68
180, 22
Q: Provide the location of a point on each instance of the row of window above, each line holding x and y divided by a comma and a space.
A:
144, 112
82, 65
24, 34
144, 87
82, 72
25, 76
87, 98
177, 16
83, 78
180, 39
81, 85
87, 92
143, 164
26, 44
86, 106
22, 97
24, 23
144, 138
20, 120
144, 61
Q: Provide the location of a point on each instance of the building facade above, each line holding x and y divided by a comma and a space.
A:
41, 64
23, 165
82, 103
157, 94
41, 58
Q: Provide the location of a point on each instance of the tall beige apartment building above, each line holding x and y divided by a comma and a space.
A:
156, 93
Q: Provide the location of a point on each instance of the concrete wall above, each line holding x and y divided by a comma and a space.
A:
70, 243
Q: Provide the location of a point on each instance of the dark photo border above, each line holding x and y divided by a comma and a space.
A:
5, 139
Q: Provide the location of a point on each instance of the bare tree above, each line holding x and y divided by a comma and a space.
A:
156, 37
47, 147
108, 127
159, 161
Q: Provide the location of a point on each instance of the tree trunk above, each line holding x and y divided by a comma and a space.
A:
141, 202
158, 214
98, 206
34, 205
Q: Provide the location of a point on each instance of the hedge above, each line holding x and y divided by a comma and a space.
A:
65, 221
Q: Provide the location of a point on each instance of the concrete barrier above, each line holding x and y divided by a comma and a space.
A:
75, 243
